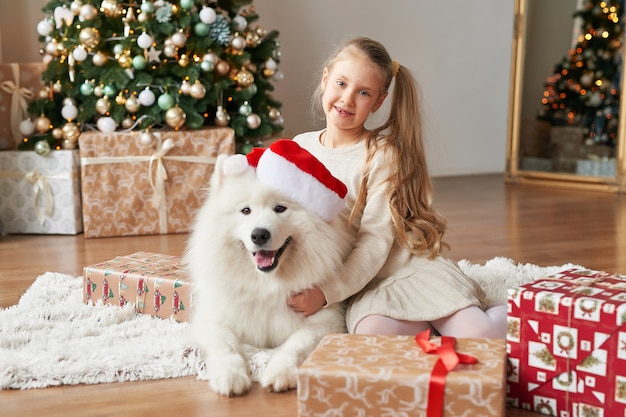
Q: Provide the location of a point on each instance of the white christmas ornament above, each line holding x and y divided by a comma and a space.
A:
80, 53
270, 64
240, 22
69, 112
207, 15
44, 28
179, 39
238, 42
27, 127
147, 97
106, 124
144, 41
87, 12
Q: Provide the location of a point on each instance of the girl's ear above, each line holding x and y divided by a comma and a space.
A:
324, 78
379, 102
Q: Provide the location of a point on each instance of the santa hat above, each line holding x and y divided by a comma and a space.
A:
293, 171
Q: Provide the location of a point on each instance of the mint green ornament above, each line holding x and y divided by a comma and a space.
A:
165, 101
139, 62
86, 89
201, 29
186, 4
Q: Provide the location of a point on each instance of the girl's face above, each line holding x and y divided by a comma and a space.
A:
352, 90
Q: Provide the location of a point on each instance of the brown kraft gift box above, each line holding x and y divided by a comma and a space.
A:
133, 188
368, 375
155, 284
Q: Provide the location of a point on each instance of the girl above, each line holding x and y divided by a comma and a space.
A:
395, 280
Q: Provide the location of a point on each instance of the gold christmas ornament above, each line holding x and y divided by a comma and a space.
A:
111, 8
175, 117
244, 78
125, 60
183, 61
222, 68
69, 144
185, 88
70, 132
197, 90
253, 121
132, 104
42, 124
274, 114
99, 59
89, 37
120, 100
268, 72
103, 105
57, 133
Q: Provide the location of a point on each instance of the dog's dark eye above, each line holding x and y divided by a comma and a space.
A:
246, 211
280, 209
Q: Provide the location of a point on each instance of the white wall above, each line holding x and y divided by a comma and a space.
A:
458, 50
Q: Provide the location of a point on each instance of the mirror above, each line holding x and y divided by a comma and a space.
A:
566, 125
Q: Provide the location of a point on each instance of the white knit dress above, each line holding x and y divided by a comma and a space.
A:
380, 276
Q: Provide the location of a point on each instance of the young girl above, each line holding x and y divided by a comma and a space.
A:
395, 280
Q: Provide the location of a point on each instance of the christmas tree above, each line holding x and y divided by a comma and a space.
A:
136, 65
585, 88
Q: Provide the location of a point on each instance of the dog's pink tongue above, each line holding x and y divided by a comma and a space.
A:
264, 258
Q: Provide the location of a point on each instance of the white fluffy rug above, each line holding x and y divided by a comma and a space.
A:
51, 338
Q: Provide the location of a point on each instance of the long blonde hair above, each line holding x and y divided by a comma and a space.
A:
410, 190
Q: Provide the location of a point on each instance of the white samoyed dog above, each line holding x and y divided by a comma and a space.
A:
255, 242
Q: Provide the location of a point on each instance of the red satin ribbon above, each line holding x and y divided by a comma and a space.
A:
448, 360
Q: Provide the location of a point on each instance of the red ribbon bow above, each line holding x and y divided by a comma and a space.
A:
448, 360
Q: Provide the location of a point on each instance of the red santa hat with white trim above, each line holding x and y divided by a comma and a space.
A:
295, 172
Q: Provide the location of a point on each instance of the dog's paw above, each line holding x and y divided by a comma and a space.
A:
229, 376
281, 374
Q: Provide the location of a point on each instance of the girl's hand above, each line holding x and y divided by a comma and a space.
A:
308, 301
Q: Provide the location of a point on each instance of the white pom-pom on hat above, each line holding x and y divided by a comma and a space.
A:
235, 164
292, 170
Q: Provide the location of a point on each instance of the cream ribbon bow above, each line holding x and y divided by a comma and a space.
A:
19, 105
158, 184
41, 188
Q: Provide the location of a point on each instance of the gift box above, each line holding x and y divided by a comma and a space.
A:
596, 167
363, 375
19, 83
155, 284
134, 186
566, 344
40, 194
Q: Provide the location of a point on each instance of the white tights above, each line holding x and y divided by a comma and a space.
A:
468, 322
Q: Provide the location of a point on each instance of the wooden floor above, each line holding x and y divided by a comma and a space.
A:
486, 219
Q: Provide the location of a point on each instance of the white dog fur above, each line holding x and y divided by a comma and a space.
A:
236, 304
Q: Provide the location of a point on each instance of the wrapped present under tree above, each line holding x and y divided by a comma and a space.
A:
566, 342
153, 283
147, 183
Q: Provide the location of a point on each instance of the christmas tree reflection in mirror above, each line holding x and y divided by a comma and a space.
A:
566, 122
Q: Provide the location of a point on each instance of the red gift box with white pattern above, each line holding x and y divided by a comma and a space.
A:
155, 284
566, 345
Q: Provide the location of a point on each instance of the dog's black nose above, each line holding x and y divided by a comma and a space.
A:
260, 236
